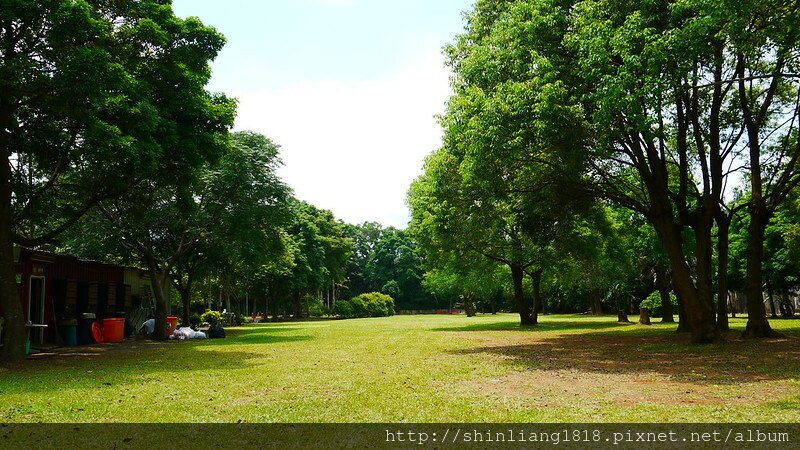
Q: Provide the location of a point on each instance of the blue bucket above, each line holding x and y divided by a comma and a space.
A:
70, 334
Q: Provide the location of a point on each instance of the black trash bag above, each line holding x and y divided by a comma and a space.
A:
216, 332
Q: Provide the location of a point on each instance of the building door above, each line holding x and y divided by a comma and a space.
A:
36, 308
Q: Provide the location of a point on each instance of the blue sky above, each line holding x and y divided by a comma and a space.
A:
348, 88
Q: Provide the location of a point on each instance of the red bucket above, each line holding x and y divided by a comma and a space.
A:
172, 325
97, 332
113, 330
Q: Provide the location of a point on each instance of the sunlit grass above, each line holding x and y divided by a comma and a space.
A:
420, 369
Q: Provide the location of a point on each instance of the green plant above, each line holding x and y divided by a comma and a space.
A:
317, 309
359, 307
212, 317
653, 303
373, 304
239, 319
343, 309
195, 320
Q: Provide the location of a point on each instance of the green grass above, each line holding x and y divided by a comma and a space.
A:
419, 369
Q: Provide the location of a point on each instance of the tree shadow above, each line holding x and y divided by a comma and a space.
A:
260, 335
105, 366
543, 326
657, 351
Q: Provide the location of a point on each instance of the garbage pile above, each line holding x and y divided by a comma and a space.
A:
187, 333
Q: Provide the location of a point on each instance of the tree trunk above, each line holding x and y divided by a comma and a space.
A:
704, 314
596, 301
683, 321
14, 328
469, 305
536, 282
517, 275
543, 307
723, 226
696, 304
771, 297
185, 301
787, 309
185, 291
622, 316
662, 282
757, 323
296, 304
160, 332
644, 316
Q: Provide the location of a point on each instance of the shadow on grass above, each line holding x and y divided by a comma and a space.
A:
260, 335
108, 366
544, 325
659, 350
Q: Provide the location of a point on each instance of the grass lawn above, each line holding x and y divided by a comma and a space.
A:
419, 369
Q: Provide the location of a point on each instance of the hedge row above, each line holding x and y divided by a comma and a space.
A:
373, 304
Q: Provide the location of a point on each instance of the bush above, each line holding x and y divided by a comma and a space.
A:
343, 309
248, 319
653, 303
212, 317
359, 307
373, 304
317, 309
238, 319
195, 320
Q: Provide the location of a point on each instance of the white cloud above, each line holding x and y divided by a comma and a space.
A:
354, 147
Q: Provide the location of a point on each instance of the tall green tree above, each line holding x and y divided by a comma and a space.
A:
365, 237
764, 48
239, 209
94, 95
478, 196
320, 251
454, 216
666, 89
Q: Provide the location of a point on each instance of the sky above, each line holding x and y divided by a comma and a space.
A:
348, 88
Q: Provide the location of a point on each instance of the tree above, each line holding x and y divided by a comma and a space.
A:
365, 237
764, 48
664, 89
459, 215
486, 202
781, 263
383, 257
235, 222
91, 99
319, 252
468, 284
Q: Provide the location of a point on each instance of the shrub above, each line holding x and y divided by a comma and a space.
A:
248, 319
195, 320
343, 309
359, 307
212, 317
373, 304
317, 309
653, 303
